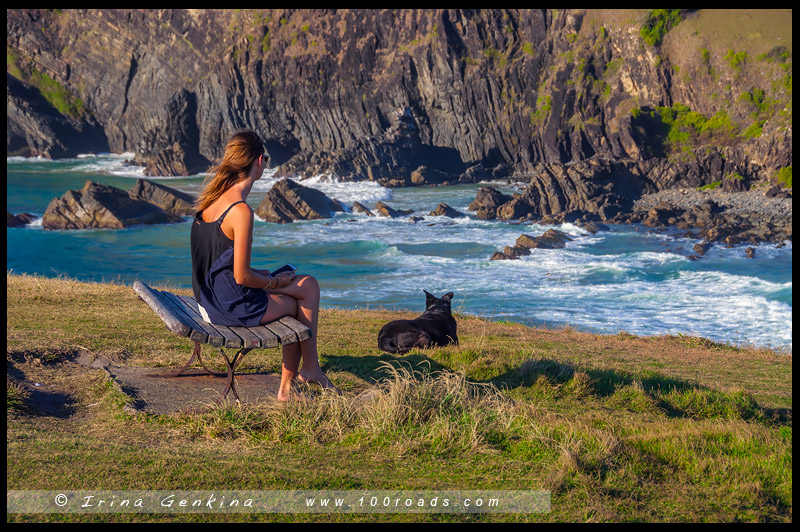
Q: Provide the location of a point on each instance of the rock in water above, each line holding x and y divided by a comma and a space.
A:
20, 220
381, 209
551, 239
288, 201
487, 202
99, 206
360, 208
444, 209
170, 200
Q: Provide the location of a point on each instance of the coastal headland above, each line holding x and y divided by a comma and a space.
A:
591, 110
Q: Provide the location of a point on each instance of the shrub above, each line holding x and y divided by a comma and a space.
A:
686, 128
658, 23
758, 99
736, 59
784, 176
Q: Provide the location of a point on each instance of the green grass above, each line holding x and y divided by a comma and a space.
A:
616, 427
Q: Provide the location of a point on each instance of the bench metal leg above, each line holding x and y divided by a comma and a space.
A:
195, 354
230, 385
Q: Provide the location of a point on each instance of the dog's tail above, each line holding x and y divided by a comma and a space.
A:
388, 343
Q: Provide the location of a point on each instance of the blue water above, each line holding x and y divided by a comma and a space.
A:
625, 279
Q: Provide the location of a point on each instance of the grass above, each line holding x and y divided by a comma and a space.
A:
616, 427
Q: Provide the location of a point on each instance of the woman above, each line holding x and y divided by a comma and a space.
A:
230, 292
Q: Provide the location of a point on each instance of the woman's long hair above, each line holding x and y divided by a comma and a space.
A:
241, 152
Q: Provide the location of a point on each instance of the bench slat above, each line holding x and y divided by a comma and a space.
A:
246, 337
197, 334
258, 336
303, 332
213, 336
268, 338
286, 335
163, 311
221, 335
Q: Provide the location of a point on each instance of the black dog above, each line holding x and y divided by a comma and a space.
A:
435, 326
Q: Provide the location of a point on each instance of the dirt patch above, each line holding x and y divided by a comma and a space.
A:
154, 391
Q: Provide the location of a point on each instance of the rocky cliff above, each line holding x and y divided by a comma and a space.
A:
410, 97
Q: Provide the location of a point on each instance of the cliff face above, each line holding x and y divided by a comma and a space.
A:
378, 94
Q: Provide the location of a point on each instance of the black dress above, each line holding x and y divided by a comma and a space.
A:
224, 300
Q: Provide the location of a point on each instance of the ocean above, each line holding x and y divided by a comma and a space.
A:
630, 278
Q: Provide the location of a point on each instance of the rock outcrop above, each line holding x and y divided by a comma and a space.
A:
98, 206
608, 190
403, 97
487, 201
443, 209
18, 220
288, 201
550, 239
717, 215
170, 200
396, 158
361, 209
35, 128
382, 209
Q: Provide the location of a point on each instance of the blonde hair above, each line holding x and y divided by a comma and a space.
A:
241, 152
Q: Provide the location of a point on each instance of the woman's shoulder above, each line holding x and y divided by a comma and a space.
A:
222, 209
238, 214
242, 208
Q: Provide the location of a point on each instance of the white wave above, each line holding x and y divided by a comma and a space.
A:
117, 164
347, 192
716, 282
111, 167
20, 159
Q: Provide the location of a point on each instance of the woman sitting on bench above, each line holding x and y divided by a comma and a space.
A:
230, 292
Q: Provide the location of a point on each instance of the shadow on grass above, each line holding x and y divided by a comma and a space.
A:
603, 382
371, 368
674, 397
40, 400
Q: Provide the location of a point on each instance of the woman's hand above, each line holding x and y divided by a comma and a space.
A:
284, 279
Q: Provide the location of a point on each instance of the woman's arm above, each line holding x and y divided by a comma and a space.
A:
240, 221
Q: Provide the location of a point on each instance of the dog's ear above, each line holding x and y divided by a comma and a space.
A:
429, 298
448, 296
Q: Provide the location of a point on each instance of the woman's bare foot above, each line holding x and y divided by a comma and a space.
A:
317, 377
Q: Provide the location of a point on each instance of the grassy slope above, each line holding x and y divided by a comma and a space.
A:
617, 427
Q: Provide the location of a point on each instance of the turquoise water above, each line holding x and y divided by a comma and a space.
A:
624, 279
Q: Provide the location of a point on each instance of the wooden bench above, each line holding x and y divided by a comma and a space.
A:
182, 316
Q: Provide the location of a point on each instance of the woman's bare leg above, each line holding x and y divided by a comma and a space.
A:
279, 306
304, 290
